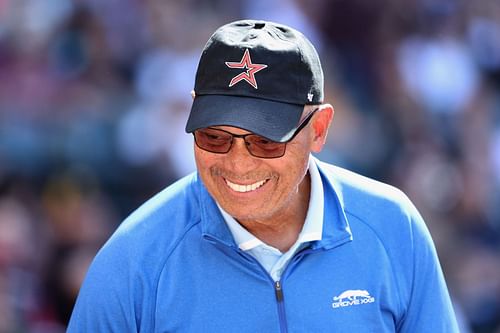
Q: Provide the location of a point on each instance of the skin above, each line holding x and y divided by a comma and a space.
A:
276, 211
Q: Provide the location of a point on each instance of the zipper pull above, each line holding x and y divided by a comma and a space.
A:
278, 291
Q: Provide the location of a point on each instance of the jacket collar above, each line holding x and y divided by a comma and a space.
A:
336, 230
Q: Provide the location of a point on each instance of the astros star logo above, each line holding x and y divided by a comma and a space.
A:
249, 74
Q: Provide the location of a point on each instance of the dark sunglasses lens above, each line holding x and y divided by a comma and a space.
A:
262, 147
213, 140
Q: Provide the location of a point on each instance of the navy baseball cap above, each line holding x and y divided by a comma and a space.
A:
256, 75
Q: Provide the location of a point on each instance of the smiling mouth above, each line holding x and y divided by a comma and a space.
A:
245, 188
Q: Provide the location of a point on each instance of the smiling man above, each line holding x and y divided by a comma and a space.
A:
265, 237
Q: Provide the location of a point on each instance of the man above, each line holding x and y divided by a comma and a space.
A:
264, 237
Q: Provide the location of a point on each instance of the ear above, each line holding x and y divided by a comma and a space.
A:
320, 125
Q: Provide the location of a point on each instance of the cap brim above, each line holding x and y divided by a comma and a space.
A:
276, 121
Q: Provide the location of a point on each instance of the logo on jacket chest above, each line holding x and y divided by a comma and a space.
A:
352, 298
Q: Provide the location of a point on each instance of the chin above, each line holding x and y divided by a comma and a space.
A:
239, 213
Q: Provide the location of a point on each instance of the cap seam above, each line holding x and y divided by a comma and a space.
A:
299, 83
298, 80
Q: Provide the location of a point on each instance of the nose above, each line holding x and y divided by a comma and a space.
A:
239, 158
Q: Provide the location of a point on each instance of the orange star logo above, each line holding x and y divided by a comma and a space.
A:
249, 74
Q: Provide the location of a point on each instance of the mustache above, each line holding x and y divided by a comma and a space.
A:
215, 171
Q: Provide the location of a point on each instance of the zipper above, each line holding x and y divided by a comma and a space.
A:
278, 293
281, 306
278, 289
277, 285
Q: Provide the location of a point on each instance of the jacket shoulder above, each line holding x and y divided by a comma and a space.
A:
361, 195
162, 221
121, 282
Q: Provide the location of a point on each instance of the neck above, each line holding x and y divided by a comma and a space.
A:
283, 228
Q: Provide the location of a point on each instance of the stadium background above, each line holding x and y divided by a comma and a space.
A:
94, 96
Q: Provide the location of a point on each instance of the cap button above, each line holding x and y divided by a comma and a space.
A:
259, 25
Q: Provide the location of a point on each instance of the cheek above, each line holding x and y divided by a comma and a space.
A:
206, 162
203, 163
203, 159
291, 177
295, 170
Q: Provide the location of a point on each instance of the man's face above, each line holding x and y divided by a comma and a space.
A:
251, 188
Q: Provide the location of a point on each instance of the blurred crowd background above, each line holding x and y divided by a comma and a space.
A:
94, 96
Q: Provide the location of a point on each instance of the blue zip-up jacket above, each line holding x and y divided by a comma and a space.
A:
173, 266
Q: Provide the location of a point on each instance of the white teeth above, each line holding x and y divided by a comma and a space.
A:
245, 188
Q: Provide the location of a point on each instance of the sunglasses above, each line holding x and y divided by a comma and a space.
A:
220, 142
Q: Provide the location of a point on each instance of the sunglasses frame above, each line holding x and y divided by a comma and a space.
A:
301, 126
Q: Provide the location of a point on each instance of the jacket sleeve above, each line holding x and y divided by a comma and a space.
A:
429, 307
106, 299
